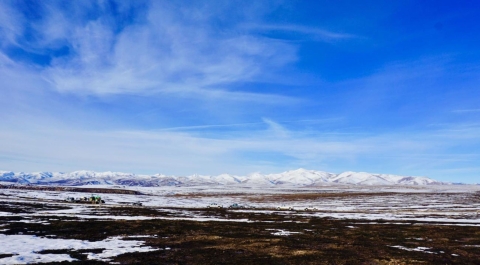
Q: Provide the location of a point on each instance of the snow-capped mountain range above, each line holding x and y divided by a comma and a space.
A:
299, 177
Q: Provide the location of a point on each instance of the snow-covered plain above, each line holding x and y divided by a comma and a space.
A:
439, 203
443, 204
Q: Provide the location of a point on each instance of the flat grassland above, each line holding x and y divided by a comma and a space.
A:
357, 227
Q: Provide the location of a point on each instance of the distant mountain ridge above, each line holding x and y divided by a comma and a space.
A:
299, 177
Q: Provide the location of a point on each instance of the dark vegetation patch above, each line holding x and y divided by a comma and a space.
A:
265, 240
21, 207
206, 194
81, 255
318, 241
315, 196
135, 211
295, 197
321, 241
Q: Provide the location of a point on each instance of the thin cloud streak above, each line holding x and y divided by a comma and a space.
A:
247, 124
314, 33
181, 128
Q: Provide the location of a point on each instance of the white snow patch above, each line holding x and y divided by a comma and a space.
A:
281, 232
25, 248
420, 249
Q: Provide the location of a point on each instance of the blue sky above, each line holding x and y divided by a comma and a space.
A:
210, 87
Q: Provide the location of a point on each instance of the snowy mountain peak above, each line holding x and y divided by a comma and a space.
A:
298, 177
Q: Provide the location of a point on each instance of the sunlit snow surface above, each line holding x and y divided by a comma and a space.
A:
26, 247
446, 204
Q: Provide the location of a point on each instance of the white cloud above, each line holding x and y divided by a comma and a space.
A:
164, 54
275, 129
174, 49
314, 33
11, 24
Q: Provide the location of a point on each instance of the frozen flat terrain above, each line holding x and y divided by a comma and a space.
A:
447, 205
451, 204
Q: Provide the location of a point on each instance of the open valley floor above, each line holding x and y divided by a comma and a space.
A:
194, 225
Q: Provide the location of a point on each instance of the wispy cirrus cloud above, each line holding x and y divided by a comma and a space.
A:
313, 33
269, 123
160, 53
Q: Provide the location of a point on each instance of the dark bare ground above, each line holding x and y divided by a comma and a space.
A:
5, 255
322, 196
314, 241
22, 207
